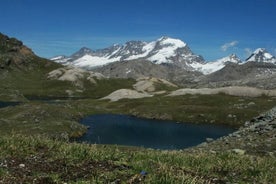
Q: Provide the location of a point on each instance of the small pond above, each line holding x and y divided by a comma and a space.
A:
6, 104
132, 131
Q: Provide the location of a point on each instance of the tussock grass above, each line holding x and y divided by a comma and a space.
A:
56, 162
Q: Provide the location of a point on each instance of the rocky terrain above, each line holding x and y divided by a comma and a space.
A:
125, 94
29, 154
172, 60
257, 136
162, 51
13, 53
233, 90
144, 87
254, 74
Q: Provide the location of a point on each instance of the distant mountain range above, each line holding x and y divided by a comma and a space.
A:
164, 51
166, 58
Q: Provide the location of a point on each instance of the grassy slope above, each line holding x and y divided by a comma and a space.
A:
30, 80
61, 117
35, 83
197, 108
41, 160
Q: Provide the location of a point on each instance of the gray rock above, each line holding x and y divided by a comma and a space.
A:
238, 151
251, 103
209, 139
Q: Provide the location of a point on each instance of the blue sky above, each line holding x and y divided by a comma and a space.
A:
212, 28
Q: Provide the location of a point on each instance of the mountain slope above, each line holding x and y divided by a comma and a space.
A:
15, 55
162, 51
210, 67
254, 74
261, 55
25, 75
143, 68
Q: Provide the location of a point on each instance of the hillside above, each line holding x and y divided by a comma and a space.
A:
51, 99
25, 75
253, 74
172, 59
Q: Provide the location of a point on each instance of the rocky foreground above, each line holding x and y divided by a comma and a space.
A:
257, 136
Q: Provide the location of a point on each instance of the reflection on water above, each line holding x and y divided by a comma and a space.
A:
132, 131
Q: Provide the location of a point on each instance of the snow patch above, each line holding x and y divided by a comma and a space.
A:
168, 50
210, 67
170, 41
93, 61
267, 55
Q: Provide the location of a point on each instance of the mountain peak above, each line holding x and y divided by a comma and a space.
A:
171, 41
163, 50
12, 45
234, 58
85, 50
82, 52
261, 55
213, 66
14, 54
259, 50
162, 38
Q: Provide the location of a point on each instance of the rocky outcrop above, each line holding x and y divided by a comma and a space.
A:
149, 84
74, 75
125, 94
253, 74
233, 90
13, 52
257, 136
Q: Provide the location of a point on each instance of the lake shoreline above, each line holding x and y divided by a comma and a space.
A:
148, 133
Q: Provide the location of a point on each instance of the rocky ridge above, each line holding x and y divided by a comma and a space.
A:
253, 74
164, 50
261, 55
144, 87
257, 136
172, 59
14, 54
232, 90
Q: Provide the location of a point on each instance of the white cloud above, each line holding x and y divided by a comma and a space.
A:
226, 46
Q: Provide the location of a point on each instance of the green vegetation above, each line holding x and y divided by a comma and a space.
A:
42, 160
18, 84
60, 117
106, 86
219, 109
34, 145
32, 118
164, 87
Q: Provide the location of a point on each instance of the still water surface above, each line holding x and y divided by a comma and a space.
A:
132, 131
6, 104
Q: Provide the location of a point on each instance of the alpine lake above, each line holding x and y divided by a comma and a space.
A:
156, 134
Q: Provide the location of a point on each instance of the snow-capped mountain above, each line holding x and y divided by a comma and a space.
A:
213, 66
60, 59
164, 50
261, 55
